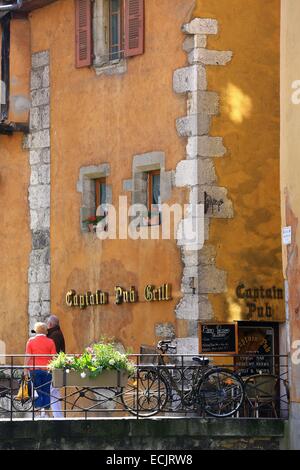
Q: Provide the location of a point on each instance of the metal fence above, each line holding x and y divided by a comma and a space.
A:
252, 386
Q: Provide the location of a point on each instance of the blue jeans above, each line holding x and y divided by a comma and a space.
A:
41, 380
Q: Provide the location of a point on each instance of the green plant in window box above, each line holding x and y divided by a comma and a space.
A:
93, 221
100, 365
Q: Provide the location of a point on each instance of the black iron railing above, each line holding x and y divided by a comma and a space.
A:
253, 386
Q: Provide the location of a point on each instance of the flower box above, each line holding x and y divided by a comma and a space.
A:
107, 379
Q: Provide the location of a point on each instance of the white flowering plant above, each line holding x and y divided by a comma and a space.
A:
93, 361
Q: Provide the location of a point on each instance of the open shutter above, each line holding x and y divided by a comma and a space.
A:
134, 27
83, 26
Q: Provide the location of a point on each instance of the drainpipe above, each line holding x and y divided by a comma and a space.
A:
12, 6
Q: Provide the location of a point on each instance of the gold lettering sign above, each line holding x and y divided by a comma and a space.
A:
122, 296
85, 300
125, 296
162, 293
261, 303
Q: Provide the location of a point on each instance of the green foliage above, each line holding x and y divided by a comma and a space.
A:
94, 360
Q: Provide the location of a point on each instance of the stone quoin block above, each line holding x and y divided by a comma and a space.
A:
45, 77
45, 155
193, 125
39, 257
34, 156
39, 196
190, 78
36, 80
40, 239
35, 119
40, 139
212, 280
45, 311
203, 102
40, 174
201, 26
44, 174
188, 307
40, 59
191, 230
194, 41
39, 274
40, 219
190, 258
217, 203
40, 291
34, 310
206, 171
205, 146
41, 96
34, 176
209, 57
45, 117
186, 173
205, 309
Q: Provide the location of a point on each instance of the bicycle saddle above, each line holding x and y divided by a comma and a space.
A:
204, 361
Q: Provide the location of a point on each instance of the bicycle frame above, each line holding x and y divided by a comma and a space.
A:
193, 381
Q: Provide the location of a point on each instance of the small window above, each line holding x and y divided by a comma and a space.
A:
97, 211
118, 33
153, 198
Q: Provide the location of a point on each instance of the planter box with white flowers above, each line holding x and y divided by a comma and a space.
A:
100, 366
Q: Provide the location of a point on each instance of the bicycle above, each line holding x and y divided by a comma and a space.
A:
217, 391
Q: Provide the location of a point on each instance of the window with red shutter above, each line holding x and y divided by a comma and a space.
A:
134, 27
83, 26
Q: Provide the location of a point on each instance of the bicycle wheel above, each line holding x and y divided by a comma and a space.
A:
146, 393
221, 393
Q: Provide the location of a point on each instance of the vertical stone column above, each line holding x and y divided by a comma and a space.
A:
200, 275
38, 142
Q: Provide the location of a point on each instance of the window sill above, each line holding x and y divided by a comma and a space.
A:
116, 67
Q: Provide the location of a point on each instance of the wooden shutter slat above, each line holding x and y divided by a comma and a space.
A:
134, 27
83, 27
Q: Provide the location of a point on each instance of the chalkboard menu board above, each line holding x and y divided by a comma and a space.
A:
218, 338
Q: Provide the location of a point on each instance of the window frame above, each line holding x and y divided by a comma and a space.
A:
150, 175
120, 45
98, 183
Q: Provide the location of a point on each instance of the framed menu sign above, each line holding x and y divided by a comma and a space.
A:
218, 338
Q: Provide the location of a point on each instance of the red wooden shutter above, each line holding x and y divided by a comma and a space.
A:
83, 27
134, 27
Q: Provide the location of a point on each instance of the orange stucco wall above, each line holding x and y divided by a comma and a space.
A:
110, 119
14, 231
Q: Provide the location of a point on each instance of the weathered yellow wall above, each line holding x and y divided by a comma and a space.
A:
14, 230
249, 245
290, 170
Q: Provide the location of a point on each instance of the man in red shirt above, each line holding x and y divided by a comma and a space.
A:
40, 350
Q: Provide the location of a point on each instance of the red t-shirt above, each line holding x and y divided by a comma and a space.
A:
40, 344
